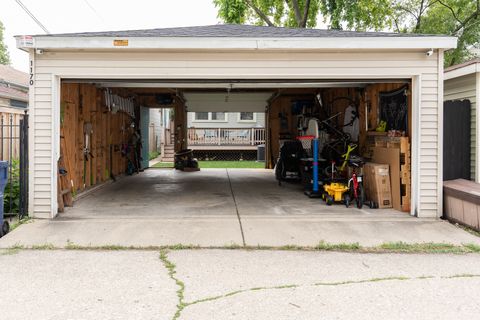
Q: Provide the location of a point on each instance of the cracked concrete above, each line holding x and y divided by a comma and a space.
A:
217, 207
396, 299
236, 284
217, 272
41, 285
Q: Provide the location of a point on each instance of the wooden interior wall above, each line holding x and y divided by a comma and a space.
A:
281, 105
369, 96
180, 123
80, 104
371, 99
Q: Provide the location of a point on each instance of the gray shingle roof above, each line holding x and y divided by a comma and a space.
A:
14, 76
235, 30
461, 65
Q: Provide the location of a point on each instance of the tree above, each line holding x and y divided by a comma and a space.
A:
4, 57
337, 14
460, 18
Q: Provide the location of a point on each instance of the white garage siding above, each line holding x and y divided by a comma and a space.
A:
465, 88
251, 64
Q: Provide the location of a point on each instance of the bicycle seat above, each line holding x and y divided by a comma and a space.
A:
356, 161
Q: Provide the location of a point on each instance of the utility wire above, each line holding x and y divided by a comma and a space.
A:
93, 9
32, 16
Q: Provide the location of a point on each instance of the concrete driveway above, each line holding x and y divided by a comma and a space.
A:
236, 284
219, 207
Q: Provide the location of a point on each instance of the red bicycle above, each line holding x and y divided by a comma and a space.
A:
355, 183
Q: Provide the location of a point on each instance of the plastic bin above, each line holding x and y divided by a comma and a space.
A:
261, 152
4, 226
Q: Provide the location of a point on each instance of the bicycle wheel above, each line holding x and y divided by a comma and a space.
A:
279, 172
360, 196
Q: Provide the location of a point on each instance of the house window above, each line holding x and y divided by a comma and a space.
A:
218, 116
18, 104
247, 117
201, 116
211, 116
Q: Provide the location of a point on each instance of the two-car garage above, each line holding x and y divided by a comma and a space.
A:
74, 76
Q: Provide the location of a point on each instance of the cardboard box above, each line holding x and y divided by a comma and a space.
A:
376, 182
391, 157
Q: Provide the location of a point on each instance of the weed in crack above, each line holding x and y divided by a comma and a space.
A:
427, 247
170, 266
322, 245
472, 247
463, 275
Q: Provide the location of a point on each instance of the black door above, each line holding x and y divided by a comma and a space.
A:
456, 139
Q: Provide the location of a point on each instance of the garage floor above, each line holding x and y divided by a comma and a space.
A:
167, 193
219, 207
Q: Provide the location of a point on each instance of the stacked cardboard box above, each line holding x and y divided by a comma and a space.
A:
377, 184
403, 145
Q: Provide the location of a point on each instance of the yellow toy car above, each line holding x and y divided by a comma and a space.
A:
334, 192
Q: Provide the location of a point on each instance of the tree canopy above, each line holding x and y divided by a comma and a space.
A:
4, 57
355, 14
460, 18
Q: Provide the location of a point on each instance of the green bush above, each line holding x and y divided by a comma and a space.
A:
12, 189
152, 155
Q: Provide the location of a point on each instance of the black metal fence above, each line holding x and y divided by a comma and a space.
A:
14, 149
225, 155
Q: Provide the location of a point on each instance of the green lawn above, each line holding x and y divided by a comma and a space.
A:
219, 164
163, 165
232, 164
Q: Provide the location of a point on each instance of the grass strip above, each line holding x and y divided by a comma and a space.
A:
387, 247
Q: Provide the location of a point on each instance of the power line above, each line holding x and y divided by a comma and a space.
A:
93, 9
32, 16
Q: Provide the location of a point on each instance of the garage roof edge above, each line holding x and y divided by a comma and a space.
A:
212, 43
237, 31
234, 36
463, 69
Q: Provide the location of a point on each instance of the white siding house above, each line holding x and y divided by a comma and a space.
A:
462, 82
229, 120
259, 54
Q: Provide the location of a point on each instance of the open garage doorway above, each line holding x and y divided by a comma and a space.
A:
105, 138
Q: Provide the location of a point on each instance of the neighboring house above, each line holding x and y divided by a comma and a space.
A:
475, 51
462, 82
226, 120
160, 139
13, 105
155, 130
13, 90
215, 133
229, 135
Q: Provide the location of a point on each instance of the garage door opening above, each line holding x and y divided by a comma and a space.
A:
106, 135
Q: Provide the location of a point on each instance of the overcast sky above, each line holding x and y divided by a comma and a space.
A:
60, 16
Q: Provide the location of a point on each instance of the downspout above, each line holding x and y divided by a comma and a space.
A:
31, 130
477, 128
440, 135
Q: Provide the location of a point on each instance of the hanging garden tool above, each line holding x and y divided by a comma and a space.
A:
87, 131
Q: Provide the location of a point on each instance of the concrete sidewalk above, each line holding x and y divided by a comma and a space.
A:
218, 207
236, 284
218, 231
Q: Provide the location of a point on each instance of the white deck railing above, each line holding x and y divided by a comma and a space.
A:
226, 136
